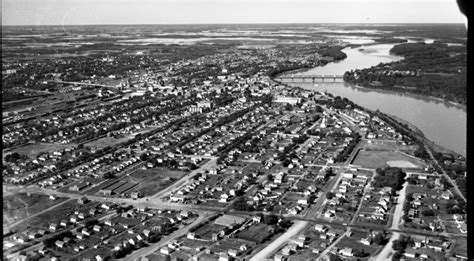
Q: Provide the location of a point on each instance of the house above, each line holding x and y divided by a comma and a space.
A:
109, 222
83, 200
366, 241
165, 250
67, 240
224, 257
446, 196
331, 233
78, 187
53, 227
300, 242
233, 252
59, 243
85, 232
257, 219
346, 251
96, 228
93, 211
135, 195
279, 257
146, 232
43, 250
288, 250
41, 232
105, 206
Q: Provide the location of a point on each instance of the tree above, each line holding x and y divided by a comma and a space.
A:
360, 253
91, 223
109, 175
269, 177
428, 213
379, 239
242, 205
329, 195
270, 219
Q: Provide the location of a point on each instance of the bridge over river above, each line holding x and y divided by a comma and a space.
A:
310, 78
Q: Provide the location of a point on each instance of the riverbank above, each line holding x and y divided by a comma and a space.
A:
433, 70
441, 100
441, 121
412, 127
431, 144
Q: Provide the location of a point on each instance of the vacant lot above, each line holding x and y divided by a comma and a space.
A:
19, 206
378, 159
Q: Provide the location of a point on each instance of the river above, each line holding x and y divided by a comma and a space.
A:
441, 122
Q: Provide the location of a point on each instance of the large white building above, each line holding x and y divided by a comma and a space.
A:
290, 100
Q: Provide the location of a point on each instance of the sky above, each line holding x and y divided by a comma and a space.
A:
79, 12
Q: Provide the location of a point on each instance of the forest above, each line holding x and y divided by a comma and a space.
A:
435, 69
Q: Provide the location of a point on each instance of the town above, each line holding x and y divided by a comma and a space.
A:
127, 156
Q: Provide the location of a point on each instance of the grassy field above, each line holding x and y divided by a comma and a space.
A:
376, 159
151, 181
460, 247
108, 141
19, 206
386, 145
32, 150
258, 233
45, 219
355, 245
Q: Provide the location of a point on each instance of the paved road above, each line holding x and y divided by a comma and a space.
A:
142, 252
273, 246
206, 166
387, 251
326, 251
10, 226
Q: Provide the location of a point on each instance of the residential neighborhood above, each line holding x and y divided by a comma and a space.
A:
165, 152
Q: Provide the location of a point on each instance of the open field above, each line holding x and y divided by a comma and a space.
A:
151, 181
355, 245
378, 159
386, 145
32, 150
108, 141
257, 233
19, 206
45, 219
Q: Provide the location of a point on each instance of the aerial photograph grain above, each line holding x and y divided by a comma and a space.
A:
234, 130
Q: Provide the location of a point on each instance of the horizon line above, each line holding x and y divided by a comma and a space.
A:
332, 23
